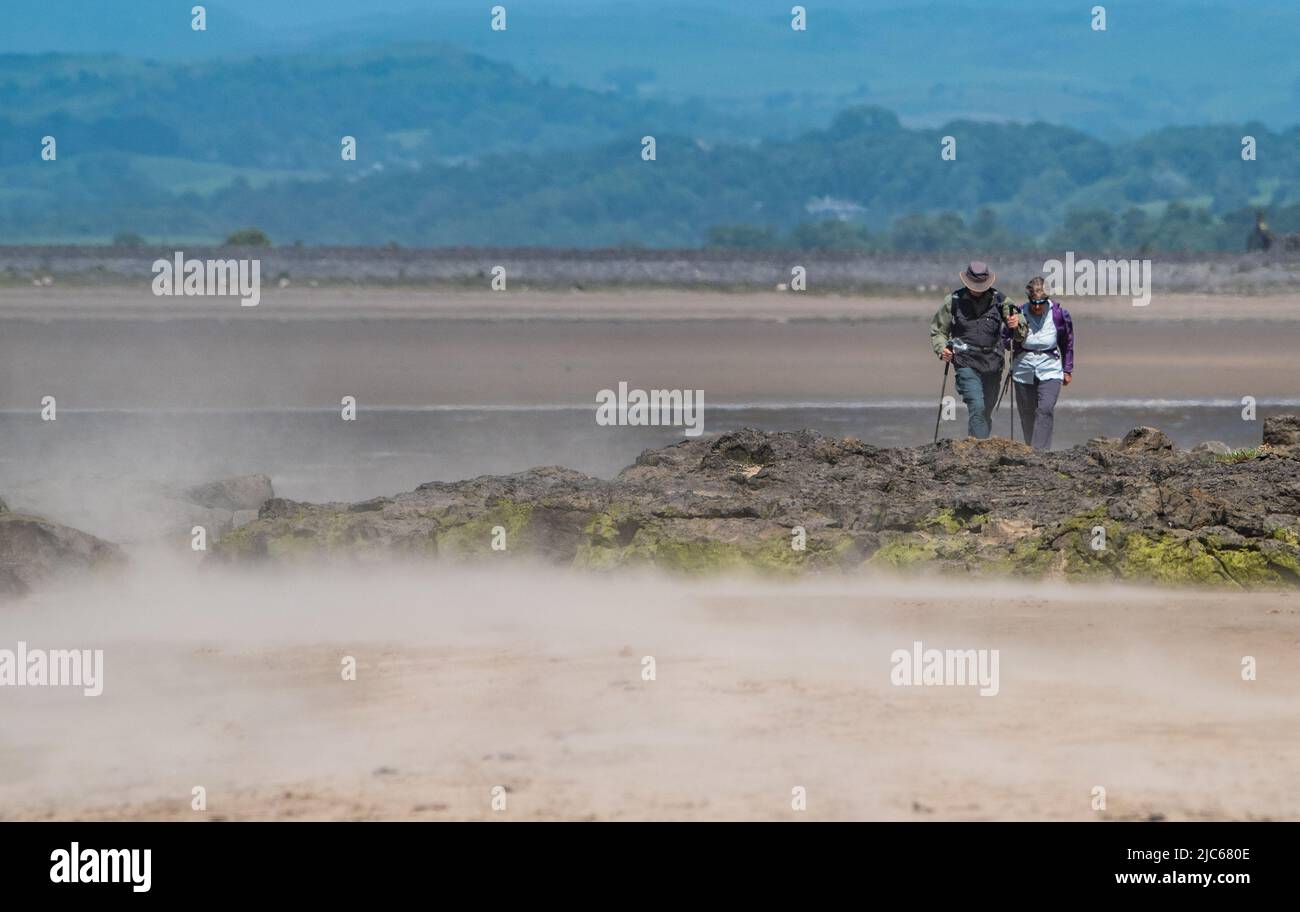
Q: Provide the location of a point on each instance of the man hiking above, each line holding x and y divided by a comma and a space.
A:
967, 331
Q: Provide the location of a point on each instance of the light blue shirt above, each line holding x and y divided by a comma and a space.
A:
1031, 362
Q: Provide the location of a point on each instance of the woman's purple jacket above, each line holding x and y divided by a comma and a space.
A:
1064, 335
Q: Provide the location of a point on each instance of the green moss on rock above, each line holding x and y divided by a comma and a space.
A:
473, 537
1247, 567
946, 520
906, 551
1030, 557
1074, 536
1290, 536
1283, 557
1168, 560
614, 539
942, 520
1180, 560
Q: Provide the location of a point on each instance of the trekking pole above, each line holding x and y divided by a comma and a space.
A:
1011, 385
942, 392
1002, 394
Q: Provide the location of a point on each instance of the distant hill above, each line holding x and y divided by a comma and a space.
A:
409, 105
866, 181
1159, 62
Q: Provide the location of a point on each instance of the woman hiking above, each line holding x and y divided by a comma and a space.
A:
1042, 361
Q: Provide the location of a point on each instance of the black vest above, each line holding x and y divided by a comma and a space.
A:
981, 330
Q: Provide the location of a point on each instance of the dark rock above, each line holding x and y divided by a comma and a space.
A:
34, 551
367, 505
1282, 431
1146, 440
1223, 537
245, 492
123, 510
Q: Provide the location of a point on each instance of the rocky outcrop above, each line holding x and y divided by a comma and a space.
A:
1282, 433
139, 511
244, 492
34, 551
1125, 509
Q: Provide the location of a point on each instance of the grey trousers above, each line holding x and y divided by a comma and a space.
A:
1036, 401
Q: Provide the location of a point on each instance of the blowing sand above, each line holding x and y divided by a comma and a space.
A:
532, 681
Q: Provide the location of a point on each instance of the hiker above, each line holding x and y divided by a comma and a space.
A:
968, 332
1042, 360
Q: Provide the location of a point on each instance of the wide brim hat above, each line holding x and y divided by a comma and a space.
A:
978, 277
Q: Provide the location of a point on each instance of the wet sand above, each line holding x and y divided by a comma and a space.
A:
304, 348
533, 682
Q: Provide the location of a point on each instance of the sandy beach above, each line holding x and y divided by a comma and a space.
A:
534, 682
